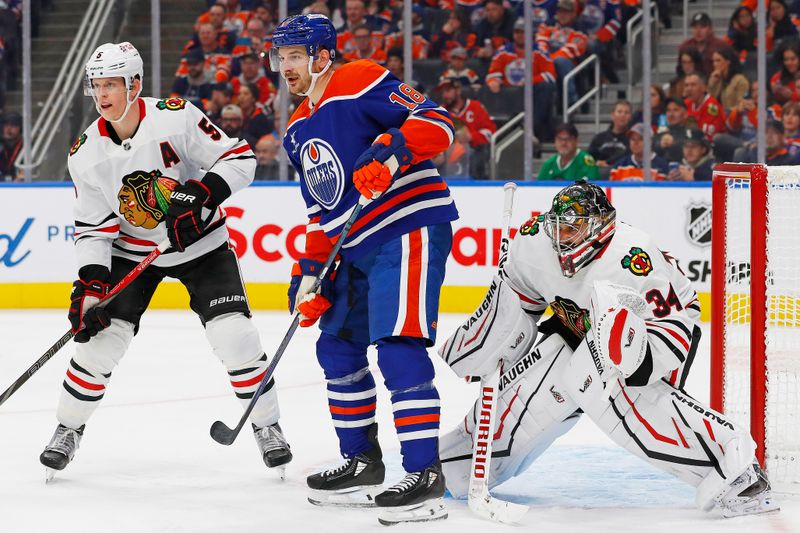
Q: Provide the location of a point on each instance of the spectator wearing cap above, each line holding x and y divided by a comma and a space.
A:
255, 120
195, 85
232, 123
698, 161
784, 83
11, 145
253, 72
612, 144
669, 144
777, 152
356, 14
564, 44
704, 108
420, 38
507, 69
569, 163
365, 48
457, 32
217, 61
221, 95
631, 166
458, 70
726, 82
267, 163
479, 124
494, 30
703, 40
395, 62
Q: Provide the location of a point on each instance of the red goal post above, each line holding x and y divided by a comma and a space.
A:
755, 308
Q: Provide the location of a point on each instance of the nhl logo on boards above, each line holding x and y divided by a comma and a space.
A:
698, 228
323, 171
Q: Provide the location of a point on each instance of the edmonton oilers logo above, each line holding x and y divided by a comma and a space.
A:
323, 171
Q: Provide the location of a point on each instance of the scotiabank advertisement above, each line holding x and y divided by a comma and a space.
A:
267, 228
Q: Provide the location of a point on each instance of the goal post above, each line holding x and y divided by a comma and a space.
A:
755, 308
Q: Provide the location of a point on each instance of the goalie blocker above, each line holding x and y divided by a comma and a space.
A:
623, 363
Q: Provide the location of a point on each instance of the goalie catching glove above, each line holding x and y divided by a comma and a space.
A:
618, 327
380, 163
310, 305
85, 318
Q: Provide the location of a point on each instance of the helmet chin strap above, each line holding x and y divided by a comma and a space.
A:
128, 105
315, 75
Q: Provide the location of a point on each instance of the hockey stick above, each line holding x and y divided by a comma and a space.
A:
222, 433
480, 501
119, 287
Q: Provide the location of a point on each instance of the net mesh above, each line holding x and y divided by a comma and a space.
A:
782, 301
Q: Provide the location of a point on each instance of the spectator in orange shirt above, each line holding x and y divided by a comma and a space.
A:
784, 83
252, 72
565, 45
364, 47
457, 32
356, 12
631, 166
479, 123
217, 61
235, 19
420, 40
704, 108
457, 70
226, 32
254, 41
703, 39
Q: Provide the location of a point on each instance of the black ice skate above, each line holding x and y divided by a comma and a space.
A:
275, 450
755, 498
418, 497
353, 484
58, 454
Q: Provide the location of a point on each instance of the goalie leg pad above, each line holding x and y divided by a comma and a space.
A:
499, 328
90, 371
663, 426
235, 341
533, 410
351, 391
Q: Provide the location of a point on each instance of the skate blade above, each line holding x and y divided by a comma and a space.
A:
426, 511
49, 475
355, 497
765, 506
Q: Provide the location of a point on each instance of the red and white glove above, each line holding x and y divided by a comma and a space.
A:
375, 169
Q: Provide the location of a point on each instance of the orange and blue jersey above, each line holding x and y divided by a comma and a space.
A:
324, 150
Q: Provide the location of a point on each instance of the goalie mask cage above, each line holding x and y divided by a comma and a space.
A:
755, 309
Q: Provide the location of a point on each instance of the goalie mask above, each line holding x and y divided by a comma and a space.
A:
580, 223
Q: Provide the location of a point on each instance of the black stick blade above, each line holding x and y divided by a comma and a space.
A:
222, 433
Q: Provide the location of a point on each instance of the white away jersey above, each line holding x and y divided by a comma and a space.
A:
630, 259
122, 189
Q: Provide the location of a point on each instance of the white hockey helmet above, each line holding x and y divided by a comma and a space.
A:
112, 60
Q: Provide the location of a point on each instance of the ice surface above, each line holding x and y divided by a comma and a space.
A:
147, 463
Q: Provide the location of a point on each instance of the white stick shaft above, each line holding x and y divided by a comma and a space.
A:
483, 437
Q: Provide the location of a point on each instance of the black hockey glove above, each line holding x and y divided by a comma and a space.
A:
85, 318
184, 217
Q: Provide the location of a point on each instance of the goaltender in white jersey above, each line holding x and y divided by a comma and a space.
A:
146, 171
622, 338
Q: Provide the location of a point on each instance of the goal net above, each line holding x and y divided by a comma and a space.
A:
755, 325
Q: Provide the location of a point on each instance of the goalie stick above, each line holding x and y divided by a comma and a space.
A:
221, 432
60, 343
480, 501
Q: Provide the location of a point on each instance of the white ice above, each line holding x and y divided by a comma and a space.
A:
147, 463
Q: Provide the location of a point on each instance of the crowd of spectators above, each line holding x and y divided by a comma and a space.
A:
477, 50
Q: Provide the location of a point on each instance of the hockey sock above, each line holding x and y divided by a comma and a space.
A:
351, 400
245, 382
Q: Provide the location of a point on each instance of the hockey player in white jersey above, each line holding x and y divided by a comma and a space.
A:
618, 348
145, 171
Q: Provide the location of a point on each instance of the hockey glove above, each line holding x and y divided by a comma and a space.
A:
380, 164
85, 319
310, 306
184, 219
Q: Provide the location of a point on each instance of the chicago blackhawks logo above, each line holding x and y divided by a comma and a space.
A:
638, 262
77, 144
531, 227
324, 174
572, 316
144, 198
171, 104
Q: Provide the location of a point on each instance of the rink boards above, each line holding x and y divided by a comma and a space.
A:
37, 263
